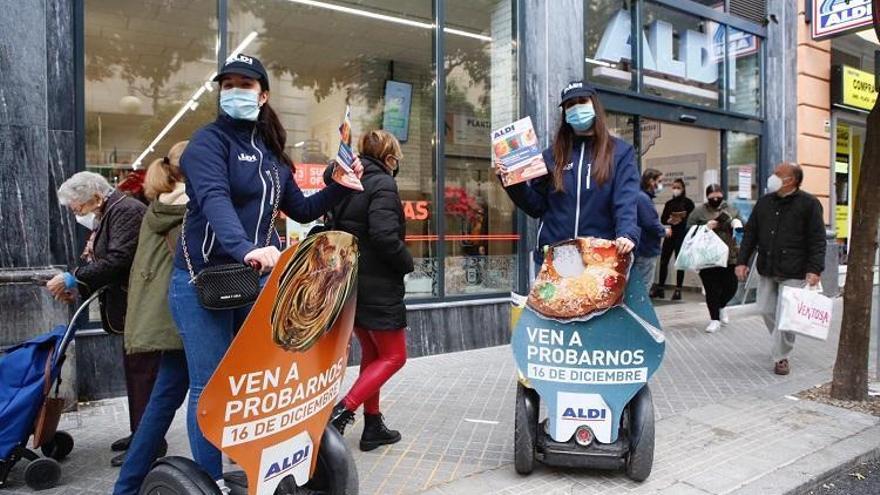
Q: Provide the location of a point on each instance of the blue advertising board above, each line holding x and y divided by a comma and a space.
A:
587, 371
835, 17
395, 118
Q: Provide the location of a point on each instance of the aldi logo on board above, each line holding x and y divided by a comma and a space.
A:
835, 17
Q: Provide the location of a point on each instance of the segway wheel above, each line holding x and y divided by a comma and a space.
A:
42, 473
178, 476
329, 478
640, 459
59, 447
525, 436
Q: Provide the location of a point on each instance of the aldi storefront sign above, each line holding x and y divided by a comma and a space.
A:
835, 17
853, 88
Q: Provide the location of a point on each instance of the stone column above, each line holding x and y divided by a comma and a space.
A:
37, 115
780, 77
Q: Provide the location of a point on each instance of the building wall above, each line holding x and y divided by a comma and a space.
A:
814, 111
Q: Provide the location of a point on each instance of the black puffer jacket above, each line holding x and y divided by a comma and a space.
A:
115, 243
788, 234
375, 217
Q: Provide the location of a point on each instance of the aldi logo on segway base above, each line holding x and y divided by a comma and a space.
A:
291, 457
582, 409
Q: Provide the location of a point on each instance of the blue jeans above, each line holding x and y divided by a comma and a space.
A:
168, 394
643, 269
206, 336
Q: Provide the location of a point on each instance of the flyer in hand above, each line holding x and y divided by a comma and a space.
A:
516, 147
343, 173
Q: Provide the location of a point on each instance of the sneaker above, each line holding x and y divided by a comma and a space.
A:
782, 367
725, 318
676, 296
713, 327
341, 417
376, 434
121, 445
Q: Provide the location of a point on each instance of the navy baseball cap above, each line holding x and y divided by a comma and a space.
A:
576, 89
245, 65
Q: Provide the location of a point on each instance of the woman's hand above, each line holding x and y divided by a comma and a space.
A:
357, 167
712, 224
263, 259
624, 245
499, 168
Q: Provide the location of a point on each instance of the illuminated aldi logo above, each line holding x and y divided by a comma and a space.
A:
834, 17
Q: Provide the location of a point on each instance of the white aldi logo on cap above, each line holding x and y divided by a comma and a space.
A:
244, 58
574, 85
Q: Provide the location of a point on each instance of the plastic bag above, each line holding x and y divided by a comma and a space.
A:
702, 248
804, 311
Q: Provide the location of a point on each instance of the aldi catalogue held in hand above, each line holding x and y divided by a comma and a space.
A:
343, 173
516, 147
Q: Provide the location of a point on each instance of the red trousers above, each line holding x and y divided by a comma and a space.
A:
383, 353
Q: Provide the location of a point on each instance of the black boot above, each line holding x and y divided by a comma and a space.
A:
657, 292
676, 296
341, 417
121, 445
376, 433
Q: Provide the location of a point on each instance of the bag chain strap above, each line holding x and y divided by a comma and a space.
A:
277, 190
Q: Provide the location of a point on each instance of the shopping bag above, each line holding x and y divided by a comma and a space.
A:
702, 248
804, 311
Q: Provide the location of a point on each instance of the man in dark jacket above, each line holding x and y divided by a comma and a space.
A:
787, 231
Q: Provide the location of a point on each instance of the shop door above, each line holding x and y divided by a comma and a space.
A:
850, 140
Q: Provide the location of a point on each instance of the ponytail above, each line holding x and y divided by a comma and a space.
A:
274, 134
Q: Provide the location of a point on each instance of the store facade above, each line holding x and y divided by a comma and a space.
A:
705, 94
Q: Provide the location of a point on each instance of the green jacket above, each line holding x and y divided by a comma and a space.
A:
703, 213
149, 326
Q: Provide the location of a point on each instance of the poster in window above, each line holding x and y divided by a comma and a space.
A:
395, 118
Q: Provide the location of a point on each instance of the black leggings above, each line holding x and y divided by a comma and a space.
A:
720, 284
669, 245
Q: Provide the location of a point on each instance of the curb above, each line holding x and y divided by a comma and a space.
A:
819, 467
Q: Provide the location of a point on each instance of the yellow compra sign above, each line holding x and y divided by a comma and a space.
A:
858, 89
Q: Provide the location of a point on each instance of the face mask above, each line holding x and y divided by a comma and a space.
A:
676, 193
658, 187
580, 116
774, 184
715, 202
242, 104
87, 221
395, 171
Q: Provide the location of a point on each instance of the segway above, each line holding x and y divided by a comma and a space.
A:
585, 342
269, 402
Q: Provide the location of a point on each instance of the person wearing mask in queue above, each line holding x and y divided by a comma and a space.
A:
150, 326
719, 282
653, 232
375, 217
787, 230
592, 185
675, 213
237, 173
114, 219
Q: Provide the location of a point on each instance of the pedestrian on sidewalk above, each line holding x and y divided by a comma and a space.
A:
150, 326
787, 231
375, 216
237, 177
593, 184
675, 213
719, 282
114, 219
653, 232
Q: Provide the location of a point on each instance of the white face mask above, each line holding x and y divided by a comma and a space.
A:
676, 193
87, 221
774, 184
658, 187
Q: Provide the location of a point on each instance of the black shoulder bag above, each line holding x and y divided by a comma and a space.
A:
233, 285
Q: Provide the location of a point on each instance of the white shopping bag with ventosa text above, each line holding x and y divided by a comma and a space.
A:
804, 311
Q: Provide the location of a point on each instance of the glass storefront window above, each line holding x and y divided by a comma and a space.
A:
608, 51
143, 63
683, 56
321, 59
480, 235
744, 64
743, 153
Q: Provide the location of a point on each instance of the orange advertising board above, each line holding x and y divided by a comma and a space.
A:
268, 402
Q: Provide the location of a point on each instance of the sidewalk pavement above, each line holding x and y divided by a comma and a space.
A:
726, 423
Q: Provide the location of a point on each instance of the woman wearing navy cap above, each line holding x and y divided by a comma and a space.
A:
237, 175
592, 186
